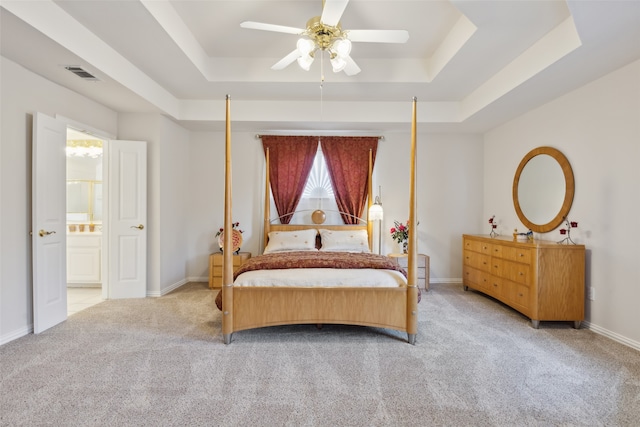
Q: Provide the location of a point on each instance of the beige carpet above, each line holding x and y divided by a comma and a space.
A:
161, 362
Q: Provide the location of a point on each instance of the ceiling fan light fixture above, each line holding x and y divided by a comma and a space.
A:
305, 62
342, 47
305, 46
338, 63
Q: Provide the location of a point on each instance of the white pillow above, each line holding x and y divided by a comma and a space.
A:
287, 241
344, 240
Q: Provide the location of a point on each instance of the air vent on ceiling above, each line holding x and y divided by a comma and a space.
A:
82, 73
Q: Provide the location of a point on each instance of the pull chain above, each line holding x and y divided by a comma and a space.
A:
321, 84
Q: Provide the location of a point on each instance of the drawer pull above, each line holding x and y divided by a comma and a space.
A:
521, 295
521, 255
521, 273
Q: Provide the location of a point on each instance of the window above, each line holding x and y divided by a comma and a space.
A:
317, 194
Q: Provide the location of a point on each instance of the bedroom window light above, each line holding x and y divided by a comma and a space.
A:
318, 194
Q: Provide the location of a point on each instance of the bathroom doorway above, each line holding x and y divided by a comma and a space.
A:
85, 213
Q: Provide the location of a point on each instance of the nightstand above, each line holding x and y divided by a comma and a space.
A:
422, 269
215, 266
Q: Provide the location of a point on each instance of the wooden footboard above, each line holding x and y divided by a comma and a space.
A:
255, 307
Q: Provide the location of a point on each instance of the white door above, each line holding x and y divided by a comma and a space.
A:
127, 216
48, 198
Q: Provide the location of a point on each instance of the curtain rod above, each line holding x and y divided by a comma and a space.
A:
380, 137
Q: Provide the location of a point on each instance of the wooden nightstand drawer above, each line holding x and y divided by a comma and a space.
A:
215, 266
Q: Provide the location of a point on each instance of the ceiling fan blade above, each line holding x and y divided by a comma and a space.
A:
271, 27
332, 12
351, 69
286, 61
378, 36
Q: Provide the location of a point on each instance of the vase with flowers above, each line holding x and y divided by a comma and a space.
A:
236, 237
400, 233
567, 231
493, 224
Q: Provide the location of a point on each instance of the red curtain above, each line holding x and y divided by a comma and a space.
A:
348, 164
290, 159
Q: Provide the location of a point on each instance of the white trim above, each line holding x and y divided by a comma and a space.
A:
168, 289
84, 128
18, 333
611, 335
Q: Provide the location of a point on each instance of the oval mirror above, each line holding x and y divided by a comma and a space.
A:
543, 189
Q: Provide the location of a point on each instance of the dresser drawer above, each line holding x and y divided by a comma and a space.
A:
517, 254
495, 288
475, 278
477, 260
238, 260
520, 296
516, 272
472, 245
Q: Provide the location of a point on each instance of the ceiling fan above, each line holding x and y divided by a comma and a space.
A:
324, 33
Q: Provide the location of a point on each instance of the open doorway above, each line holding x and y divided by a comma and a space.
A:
85, 214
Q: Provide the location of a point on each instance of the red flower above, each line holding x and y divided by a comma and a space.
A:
563, 231
574, 224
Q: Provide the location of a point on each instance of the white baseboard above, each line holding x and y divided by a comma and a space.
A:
612, 335
14, 335
168, 289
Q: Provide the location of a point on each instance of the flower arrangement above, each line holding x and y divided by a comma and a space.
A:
567, 231
400, 233
234, 225
493, 224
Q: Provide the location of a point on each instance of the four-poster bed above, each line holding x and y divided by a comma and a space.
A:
392, 306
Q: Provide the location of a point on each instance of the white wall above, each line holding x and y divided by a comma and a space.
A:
449, 189
598, 128
24, 94
175, 191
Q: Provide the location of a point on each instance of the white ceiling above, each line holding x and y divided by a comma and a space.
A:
471, 64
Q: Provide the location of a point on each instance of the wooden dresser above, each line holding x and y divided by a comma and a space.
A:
541, 279
215, 266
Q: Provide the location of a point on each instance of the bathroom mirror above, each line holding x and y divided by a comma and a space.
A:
543, 189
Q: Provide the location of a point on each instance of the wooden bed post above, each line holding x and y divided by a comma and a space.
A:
369, 202
412, 291
227, 246
267, 201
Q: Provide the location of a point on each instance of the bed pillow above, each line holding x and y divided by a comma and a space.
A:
344, 241
287, 241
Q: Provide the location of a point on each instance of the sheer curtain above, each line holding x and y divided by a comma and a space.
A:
348, 164
290, 159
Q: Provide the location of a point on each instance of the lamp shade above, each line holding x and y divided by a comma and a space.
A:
375, 212
305, 62
342, 47
305, 46
338, 64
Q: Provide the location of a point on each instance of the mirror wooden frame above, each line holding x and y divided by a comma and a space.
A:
568, 194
